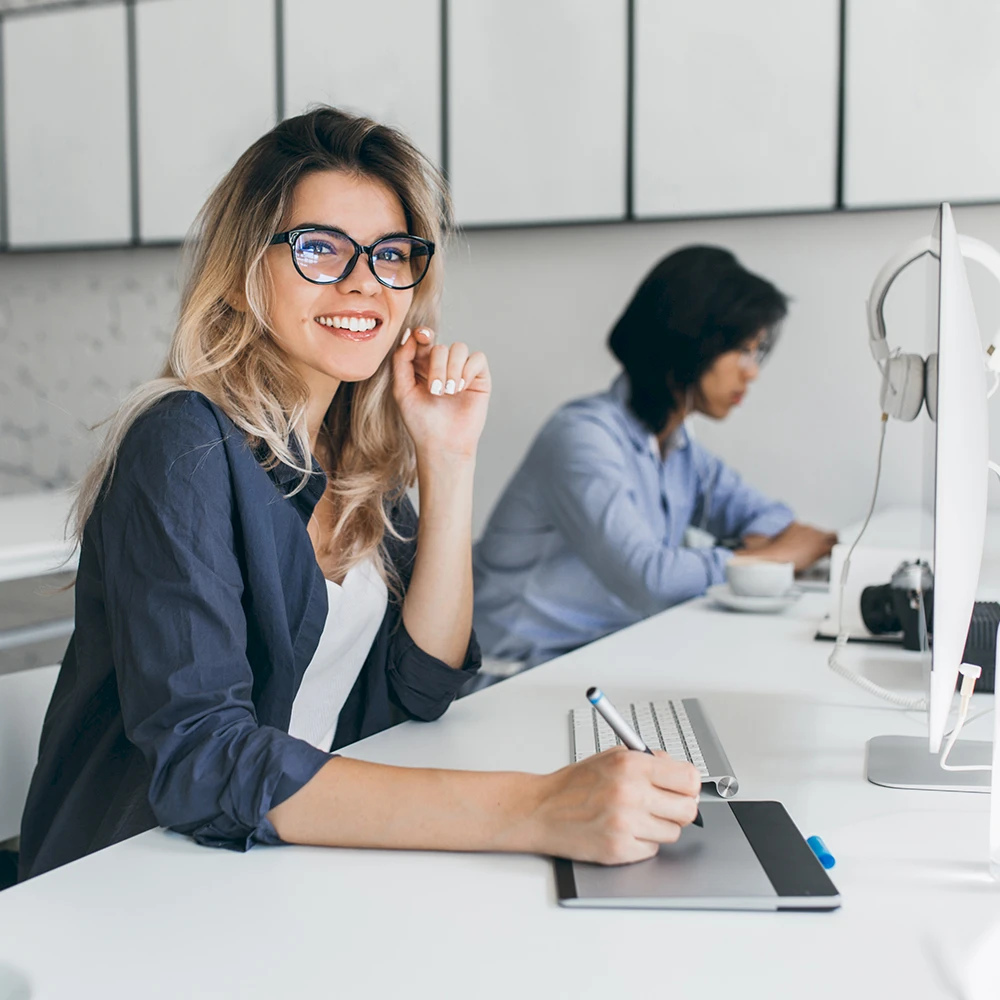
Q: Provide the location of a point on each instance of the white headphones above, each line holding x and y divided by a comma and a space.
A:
908, 379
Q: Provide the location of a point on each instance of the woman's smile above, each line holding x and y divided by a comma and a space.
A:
352, 324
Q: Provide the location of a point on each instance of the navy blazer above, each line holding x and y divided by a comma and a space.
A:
199, 605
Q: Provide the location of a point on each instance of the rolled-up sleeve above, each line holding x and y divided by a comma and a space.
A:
421, 684
736, 509
581, 471
173, 591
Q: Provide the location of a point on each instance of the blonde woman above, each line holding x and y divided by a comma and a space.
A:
254, 590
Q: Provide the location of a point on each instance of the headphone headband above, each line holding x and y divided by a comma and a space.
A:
880, 289
972, 249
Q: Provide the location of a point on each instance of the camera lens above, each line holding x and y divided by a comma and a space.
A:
878, 610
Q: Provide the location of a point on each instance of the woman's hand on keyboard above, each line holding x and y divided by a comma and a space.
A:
798, 543
617, 806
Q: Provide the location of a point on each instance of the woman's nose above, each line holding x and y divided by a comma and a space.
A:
361, 279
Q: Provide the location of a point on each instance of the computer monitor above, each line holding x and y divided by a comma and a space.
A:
961, 473
957, 393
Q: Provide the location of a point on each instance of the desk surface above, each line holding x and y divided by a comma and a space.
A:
158, 916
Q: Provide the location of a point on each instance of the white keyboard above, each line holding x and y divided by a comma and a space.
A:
678, 725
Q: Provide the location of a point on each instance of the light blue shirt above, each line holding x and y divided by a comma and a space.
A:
588, 537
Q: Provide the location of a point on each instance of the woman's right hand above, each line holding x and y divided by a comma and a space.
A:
450, 420
616, 807
798, 543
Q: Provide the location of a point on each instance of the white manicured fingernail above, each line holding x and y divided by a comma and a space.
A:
461, 384
406, 337
449, 387
436, 387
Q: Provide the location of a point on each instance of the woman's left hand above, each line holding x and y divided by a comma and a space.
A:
442, 393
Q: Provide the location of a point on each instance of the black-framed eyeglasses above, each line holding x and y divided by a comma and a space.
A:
325, 256
752, 357
753, 354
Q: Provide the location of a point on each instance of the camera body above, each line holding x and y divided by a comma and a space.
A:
896, 606
906, 604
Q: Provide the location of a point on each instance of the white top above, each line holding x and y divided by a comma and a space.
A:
357, 608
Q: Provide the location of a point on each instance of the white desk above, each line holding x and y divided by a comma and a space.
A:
159, 917
32, 534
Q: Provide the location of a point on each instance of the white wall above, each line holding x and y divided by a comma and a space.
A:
78, 329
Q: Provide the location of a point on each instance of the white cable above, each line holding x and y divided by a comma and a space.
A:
972, 718
840, 644
970, 674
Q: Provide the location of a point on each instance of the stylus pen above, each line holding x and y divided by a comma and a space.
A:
622, 729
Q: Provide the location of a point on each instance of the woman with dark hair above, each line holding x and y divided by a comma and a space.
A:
589, 535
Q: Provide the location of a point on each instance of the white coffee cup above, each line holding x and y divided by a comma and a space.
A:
751, 577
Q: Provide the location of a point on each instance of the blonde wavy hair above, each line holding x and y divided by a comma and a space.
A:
222, 346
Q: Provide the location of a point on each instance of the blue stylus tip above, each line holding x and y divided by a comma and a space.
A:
593, 695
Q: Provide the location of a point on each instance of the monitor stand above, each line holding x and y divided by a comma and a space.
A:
905, 762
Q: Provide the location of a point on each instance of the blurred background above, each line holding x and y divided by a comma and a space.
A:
583, 140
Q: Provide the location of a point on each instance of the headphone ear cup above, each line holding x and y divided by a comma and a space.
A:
931, 385
902, 392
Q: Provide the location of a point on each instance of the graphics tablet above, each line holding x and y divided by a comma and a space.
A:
748, 856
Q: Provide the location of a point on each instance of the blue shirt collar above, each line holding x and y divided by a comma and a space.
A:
638, 432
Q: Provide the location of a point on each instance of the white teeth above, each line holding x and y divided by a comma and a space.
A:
354, 323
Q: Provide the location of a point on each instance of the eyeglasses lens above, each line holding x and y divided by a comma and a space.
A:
322, 256
400, 262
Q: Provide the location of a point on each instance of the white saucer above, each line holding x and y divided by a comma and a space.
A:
723, 595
